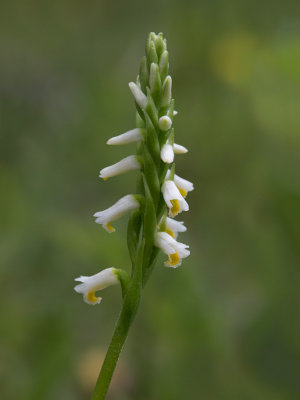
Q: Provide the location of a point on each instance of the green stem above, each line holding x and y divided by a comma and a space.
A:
130, 306
120, 334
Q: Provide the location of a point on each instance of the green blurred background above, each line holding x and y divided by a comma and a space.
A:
226, 324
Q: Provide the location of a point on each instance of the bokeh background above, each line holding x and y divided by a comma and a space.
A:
226, 324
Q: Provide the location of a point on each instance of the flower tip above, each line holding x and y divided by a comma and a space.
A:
178, 149
139, 96
167, 153
165, 123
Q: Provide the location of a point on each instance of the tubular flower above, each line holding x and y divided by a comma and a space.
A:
173, 198
173, 227
184, 186
129, 163
90, 284
120, 208
138, 95
176, 251
165, 123
178, 149
167, 153
134, 135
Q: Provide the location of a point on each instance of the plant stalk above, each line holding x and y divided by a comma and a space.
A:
129, 309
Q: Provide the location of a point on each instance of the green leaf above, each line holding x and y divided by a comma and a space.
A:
144, 74
160, 44
155, 84
152, 139
150, 223
152, 110
151, 175
133, 229
164, 65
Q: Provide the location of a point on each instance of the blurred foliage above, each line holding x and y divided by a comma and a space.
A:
226, 324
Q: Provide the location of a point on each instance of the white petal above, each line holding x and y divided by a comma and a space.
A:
166, 153
183, 183
139, 96
178, 149
134, 135
170, 192
170, 246
121, 207
161, 241
175, 113
164, 123
129, 163
101, 280
175, 226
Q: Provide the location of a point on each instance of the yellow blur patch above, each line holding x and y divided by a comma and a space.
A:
182, 192
109, 227
173, 260
175, 207
91, 298
105, 179
171, 233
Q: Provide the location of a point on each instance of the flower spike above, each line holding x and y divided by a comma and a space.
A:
160, 192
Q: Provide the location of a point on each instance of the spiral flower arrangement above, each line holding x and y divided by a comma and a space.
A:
161, 196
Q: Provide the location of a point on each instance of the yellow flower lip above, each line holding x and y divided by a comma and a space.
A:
92, 298
173, 260
109, 227
175, 207
182, 192
170, 232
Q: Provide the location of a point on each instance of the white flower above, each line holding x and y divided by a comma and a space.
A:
134, 135
173, 198
175, 250
90, 284
129, 163
164, 123
121, 207
178, 149
139, 96
184, 186
173, 227
167, 153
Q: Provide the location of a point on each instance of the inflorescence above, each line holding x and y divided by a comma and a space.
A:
160, 192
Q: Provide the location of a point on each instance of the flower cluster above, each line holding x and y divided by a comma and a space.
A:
161, 191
